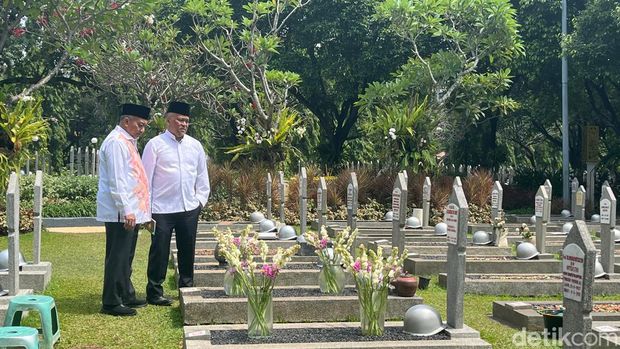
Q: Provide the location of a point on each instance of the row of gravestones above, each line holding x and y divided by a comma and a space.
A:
80, 162
13, 209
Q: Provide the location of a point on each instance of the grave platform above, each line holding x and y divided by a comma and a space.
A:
210, 243
200, 337
4, 300
210, 305
523, 314
525, 284
31, 276
497, 265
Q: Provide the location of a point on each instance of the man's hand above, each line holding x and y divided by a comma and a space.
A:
130, 221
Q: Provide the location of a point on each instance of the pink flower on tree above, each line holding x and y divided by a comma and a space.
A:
114, 5
237, 241
17, 32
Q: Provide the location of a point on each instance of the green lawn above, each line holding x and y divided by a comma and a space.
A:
76, 286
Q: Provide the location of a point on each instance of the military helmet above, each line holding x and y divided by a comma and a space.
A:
565, 213
595, 218
482, 238
267, 226
526, 250
413, 222
598, 269
287, 233
616, 235
256, 217
566, 228
422, 320
441, 229
533, 219
4, 260
389, 215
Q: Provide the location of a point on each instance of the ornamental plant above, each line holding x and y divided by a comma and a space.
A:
256, 278
499, 223
331, 278
525, 232
372, 274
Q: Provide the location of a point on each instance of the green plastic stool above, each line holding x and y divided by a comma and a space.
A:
19, 336
46, 307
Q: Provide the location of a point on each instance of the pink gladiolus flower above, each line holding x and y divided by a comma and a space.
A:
237, 241
357, 266
270, 271
323, 243
368, 268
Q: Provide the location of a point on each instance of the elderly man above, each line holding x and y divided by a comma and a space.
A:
176, 167
123, 203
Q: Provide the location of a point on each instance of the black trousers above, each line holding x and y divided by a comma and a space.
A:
184, 225
120, 247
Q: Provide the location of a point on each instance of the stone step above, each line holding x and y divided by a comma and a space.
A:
199, 337
524, 285
421, 266
210, 244
209, 305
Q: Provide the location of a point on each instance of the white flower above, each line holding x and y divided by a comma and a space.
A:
393, 136
239, 132
27, 98
94, 140
35, 138
317, 45
300, 131
150, 19
259, 141
392, 130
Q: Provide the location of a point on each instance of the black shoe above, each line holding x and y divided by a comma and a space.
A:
135, 303
119, 310
161, 301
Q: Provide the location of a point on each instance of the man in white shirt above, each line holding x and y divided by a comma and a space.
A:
123, 203
176, 167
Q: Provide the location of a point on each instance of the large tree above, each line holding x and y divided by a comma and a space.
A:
338, 48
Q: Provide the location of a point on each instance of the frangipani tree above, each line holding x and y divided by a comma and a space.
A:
239, 47
458, 49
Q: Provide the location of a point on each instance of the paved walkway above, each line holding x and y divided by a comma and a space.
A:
77, 230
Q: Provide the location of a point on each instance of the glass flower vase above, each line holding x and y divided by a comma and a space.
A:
332, 279
373, 304
232, 283
260, 314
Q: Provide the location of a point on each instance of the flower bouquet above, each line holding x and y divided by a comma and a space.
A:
499, 229
256, 280
372, 276
332, 277
525, 232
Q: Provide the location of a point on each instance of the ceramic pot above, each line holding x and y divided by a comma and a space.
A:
406, 286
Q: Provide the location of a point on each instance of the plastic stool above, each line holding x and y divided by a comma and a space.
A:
19, 336
46, 307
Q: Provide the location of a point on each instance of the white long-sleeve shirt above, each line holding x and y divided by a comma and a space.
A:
123, 187
177, 173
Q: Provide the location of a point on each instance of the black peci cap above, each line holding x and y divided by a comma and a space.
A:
179, 108
136, 110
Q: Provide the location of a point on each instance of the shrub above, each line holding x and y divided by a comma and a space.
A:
478, 186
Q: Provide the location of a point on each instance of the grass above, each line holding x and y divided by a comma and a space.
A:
77, 281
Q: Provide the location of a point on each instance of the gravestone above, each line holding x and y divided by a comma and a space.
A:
574, 186
426, 201
282, 192
458, 182
352, 190
608, 223
578, 260
321, 203
86, 160
79, 161
549, 189
72, 160
38, 217
541, 201
580, 203
303, 200
497, 198
268, 191
12, 215
456, 217
399, 209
